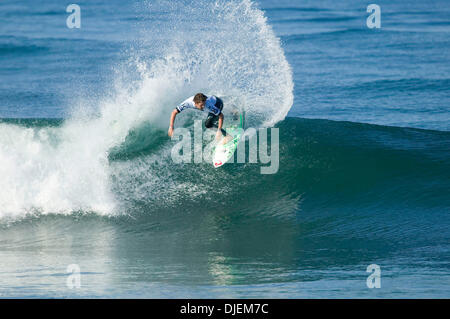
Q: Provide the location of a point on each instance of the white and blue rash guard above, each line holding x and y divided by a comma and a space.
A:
210, 105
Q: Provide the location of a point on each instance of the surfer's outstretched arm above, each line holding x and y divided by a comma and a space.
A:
172, 121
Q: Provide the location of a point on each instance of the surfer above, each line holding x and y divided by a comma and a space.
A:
212, 104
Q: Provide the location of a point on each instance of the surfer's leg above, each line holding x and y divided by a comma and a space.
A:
219, 104
212, 122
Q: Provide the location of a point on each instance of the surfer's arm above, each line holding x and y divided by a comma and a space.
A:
172, 121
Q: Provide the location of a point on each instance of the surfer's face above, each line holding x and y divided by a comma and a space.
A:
200, 105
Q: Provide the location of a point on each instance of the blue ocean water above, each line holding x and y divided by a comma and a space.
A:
86, 176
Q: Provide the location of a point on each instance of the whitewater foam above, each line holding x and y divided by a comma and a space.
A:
235, 55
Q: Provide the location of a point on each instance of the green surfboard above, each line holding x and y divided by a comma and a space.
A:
223, 152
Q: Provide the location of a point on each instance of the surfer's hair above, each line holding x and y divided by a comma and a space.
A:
199, 97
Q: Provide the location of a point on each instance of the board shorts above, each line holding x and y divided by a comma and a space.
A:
213, 120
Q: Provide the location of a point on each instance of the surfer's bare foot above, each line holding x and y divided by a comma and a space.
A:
218, 136
226, 139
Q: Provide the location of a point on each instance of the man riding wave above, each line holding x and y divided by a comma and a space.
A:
212, 104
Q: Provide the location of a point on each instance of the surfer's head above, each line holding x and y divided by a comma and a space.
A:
199, 100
